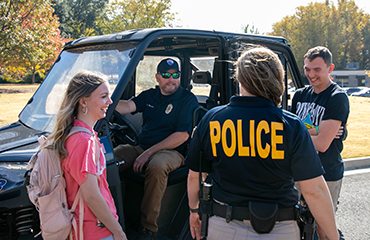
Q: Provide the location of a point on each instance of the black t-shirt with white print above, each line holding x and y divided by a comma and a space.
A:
332, 103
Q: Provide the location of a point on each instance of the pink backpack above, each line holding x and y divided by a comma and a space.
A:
46, 190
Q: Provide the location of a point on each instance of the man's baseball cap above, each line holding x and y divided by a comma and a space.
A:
167, 64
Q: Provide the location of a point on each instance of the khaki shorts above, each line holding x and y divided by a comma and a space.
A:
219, 229
334, 189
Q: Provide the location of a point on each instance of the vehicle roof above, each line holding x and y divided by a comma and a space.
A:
139, 34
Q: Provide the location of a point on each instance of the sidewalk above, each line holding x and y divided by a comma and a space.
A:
356, 163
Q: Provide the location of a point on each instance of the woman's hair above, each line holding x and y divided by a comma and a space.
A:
260, 73
80, 86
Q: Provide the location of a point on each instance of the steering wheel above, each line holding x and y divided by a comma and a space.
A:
123, 130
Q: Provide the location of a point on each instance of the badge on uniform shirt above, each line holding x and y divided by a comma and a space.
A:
169, 108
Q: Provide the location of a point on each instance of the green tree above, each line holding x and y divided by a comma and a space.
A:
350, 36
251, 30
284, 28
120, 15
365, 63
78, 18
340, 28
304, 29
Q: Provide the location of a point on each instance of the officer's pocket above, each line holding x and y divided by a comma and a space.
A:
263, 216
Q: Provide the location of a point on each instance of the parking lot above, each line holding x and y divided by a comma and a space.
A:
357, 91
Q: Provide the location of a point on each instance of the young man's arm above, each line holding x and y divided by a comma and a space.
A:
328, 130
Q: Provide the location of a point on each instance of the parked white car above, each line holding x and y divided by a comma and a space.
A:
363, 93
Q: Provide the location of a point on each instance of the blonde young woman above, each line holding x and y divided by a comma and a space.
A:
86, 101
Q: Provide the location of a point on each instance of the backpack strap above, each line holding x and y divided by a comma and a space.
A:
78, 198
77, 129
81, 213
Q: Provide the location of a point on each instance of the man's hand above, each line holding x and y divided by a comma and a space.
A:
339, 133
141, 161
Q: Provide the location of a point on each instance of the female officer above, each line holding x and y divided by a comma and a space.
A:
255, 151
86, 101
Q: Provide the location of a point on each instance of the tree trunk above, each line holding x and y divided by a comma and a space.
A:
33, 76
344, 60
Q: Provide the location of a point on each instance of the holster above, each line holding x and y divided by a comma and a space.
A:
263, 216
306, 222
205, 207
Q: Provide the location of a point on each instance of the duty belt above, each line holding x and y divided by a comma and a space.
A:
242, 213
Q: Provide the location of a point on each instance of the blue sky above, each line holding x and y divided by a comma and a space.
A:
232, 15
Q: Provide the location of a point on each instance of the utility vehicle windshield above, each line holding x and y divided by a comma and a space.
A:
110, 59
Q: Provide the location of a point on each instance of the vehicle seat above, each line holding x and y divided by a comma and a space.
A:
201, 77
213, 99
204, 77
198, 114
174, 206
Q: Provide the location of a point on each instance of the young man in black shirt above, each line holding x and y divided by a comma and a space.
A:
326, 106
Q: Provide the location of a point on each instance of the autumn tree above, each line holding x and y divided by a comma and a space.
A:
78, 18
121, 15
12, 15
43, 41
339, 27
35, 39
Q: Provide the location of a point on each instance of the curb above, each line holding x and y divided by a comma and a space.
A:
356, 163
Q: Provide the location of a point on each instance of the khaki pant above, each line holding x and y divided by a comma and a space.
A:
158, 167
334, 189
219, 229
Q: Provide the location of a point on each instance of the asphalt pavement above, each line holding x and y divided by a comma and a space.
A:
353, 214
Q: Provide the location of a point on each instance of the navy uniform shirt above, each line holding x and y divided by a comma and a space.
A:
332, 103
164, 115
255, 151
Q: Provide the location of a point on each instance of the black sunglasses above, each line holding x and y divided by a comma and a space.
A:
175, 75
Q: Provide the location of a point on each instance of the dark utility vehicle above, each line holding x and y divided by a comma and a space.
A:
129, 59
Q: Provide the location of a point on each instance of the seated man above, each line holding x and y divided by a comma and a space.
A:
167, 122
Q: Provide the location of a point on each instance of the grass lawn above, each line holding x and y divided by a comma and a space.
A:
357, 143
13, 98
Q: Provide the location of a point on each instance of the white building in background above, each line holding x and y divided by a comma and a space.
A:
351, 78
